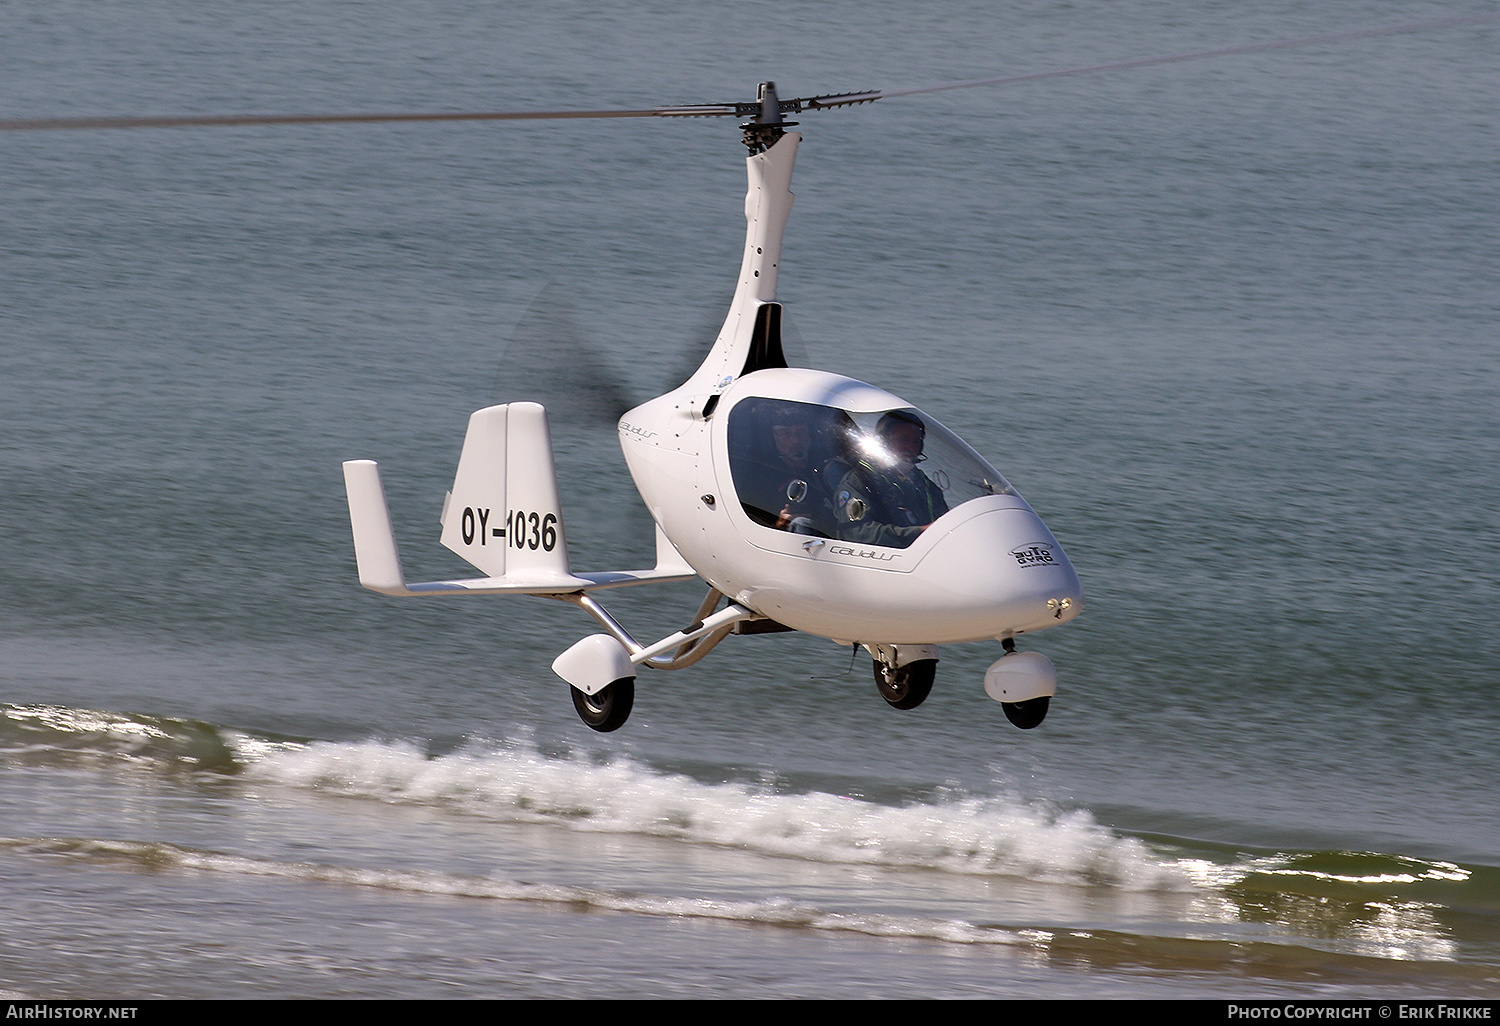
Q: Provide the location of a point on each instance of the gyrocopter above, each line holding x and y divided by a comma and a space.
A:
806, 500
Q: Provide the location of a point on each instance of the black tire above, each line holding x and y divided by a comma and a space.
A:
608, 708
908, 686
1027, 714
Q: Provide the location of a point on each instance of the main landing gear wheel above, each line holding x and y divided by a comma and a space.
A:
1027, 714
908, 686
608, 708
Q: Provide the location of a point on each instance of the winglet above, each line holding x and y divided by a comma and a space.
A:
374, 540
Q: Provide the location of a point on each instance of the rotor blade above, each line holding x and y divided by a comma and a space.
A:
707, 110
214, 120
1146, 62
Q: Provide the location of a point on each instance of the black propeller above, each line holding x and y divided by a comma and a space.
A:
550, 359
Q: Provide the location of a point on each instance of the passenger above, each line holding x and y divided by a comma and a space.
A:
785, 489
882, 497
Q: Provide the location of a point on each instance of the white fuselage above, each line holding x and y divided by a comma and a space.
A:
986, 568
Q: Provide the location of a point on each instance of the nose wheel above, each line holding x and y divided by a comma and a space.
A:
1027, 714
905, 687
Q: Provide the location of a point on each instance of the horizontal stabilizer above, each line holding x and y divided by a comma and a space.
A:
380, 564
503, 516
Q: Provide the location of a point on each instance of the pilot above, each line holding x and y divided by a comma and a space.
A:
883, 498
786, 488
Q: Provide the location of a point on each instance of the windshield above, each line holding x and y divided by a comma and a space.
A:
877, 478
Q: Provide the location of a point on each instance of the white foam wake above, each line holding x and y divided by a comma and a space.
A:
990, 836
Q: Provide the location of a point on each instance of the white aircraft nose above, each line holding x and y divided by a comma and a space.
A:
1006, 562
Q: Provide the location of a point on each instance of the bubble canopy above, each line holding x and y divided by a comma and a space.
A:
878, 477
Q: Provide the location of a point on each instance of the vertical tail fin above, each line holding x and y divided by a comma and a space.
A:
503, 515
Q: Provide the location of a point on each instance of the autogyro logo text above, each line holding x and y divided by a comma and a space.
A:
1033, 555
844, 550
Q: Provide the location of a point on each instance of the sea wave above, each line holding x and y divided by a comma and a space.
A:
56, 734
973, 835
163, 857
1263, 955
1391, 906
